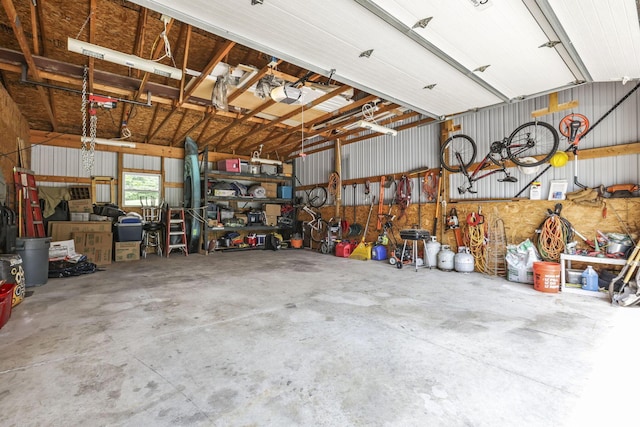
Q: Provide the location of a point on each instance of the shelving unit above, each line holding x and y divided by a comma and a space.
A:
243, 202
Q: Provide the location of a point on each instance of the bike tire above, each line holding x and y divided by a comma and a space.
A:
319, 232
317, 197
541, 146
462, 144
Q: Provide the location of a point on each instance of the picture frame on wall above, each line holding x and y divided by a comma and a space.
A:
558, 189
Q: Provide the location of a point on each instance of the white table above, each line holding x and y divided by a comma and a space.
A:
586, 259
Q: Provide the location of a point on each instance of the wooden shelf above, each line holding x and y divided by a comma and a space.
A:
247, 199
248, 176
250, 228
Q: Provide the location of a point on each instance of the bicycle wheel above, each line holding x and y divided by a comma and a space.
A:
461, 145
318, 230
534, 139
317, 196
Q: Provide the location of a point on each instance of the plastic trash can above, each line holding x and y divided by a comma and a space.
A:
34, 252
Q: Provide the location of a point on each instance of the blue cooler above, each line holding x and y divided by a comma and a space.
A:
127, 232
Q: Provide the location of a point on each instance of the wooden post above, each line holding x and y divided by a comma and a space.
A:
338, 167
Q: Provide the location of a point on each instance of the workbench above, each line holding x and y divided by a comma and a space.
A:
590, 260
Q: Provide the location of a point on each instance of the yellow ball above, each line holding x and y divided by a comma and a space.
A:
559, 159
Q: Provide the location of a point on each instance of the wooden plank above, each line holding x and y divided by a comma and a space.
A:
18, 31
215, 60
554, 107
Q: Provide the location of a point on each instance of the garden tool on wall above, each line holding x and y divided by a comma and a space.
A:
574, 126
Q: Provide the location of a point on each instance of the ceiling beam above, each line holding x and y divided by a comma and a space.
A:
253, 80
92, 40
318, 101
141, 30
185, 60
239, 121
18, 31
215, 60
195, 83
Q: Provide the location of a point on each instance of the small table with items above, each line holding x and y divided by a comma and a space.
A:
586, 259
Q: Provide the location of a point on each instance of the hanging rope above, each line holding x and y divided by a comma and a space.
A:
403, 194
554, 234
476, 239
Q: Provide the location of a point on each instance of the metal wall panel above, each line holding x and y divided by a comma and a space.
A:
173, 197
174, 170
418, 147
60, 161
137, 161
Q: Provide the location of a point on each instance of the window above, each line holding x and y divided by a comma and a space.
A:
141, 186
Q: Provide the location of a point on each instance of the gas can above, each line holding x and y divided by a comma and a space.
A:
590, 279
379, 253
431, 257
463, 260
445, 258
343, 249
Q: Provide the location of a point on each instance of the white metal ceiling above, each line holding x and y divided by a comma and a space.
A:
600, 42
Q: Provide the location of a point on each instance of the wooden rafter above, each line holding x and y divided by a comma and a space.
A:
195, 126
204, 128
145, 77
215, 60
185, 59
18, 31
92, 40
287, 116
198, 80
182, 119
35, 29
253, 80
239, 121
309, 125
141, 29
153, 120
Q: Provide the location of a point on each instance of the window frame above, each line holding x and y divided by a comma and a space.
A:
125, 190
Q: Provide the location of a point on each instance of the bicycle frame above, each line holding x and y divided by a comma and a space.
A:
475, 174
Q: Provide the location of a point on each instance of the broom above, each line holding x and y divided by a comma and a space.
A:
363, 251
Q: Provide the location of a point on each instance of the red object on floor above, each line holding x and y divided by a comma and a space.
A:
343, 249
6, 295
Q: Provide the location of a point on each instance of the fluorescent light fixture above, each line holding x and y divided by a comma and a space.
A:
132, 61
111, 142
376, 127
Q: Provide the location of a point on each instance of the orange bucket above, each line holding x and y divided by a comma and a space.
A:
296, 243
546, 276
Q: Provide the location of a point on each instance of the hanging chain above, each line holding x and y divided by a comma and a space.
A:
88, 147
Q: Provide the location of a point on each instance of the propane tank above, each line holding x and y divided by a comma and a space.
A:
431, 255
445, 258
463, 260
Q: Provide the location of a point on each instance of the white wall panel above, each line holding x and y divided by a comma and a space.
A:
137, 161
173, 197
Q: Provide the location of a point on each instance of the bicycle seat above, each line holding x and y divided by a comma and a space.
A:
508, 179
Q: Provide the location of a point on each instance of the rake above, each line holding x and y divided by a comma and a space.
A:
363, 250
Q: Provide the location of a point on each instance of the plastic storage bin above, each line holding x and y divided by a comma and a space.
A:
6, 294
285, 192
34, 252
125, 232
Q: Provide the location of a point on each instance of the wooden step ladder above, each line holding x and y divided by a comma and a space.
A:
28, 203
175, 226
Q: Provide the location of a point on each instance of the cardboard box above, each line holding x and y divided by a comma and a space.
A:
287, 169
271, 220
271, 209
96, 246
271, 189
126, 251
81, 206
61, 250
229, 165
62, 230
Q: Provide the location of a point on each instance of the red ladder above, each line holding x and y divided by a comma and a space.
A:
175, 226
28, 202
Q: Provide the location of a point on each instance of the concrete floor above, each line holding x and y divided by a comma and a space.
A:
295, 338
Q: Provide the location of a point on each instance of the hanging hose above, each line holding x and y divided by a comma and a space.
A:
553, 235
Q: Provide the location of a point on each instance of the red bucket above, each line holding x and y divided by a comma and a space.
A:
6, 296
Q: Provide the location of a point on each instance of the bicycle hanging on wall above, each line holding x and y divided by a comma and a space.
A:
531, 144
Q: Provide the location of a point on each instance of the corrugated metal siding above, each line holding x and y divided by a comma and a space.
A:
173, 197
174, 170
137, 161
60, 161
418, 147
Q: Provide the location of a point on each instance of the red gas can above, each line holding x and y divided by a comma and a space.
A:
343, 249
